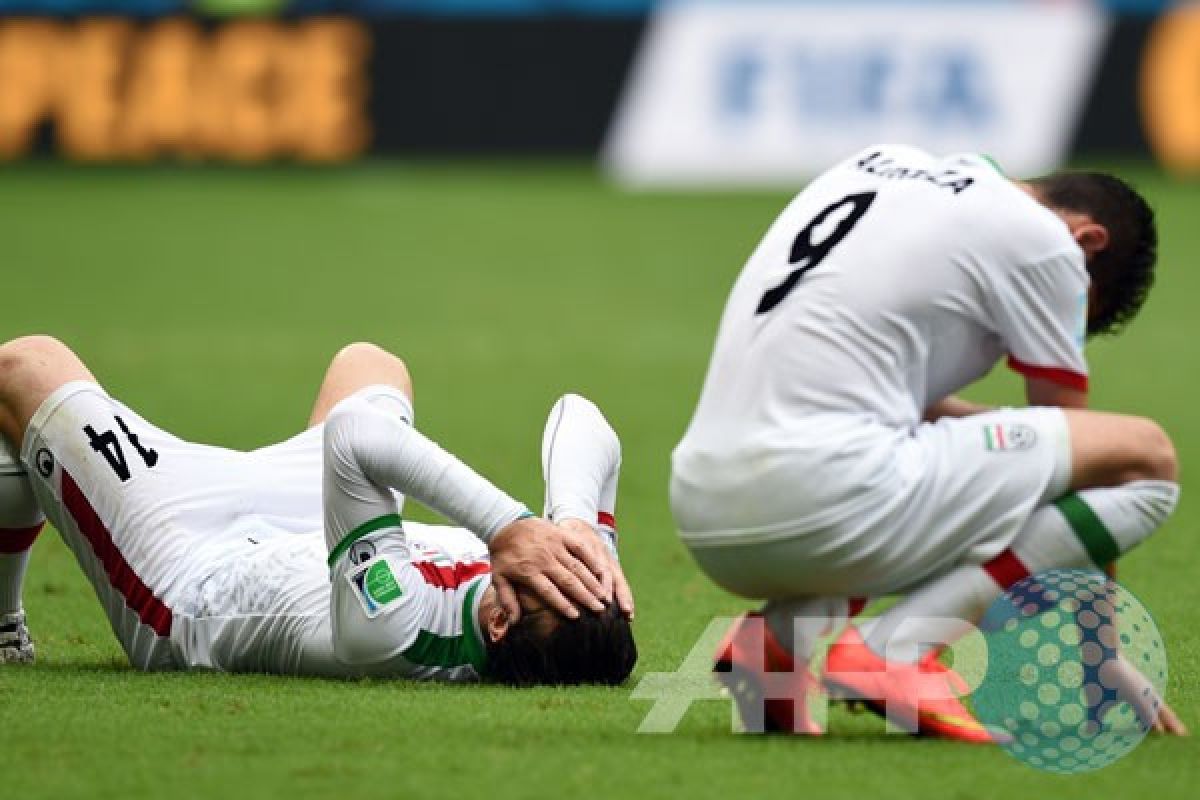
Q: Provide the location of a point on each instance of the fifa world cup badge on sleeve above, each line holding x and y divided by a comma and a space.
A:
375, 586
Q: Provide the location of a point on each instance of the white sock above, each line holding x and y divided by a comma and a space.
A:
1096, 526
1090, 528
581, 462
940, 612
20, 522
800, 624
12, 579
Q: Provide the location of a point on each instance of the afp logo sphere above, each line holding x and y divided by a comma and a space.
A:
1076, 671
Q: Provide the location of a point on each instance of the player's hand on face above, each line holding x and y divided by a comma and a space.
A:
614, 581
551, 562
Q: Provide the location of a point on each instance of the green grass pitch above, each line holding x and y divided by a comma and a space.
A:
210, 301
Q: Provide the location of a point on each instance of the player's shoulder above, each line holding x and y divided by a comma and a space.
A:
881, 161
956, 187
1028, 233
972, 196
1009, 219
888, 153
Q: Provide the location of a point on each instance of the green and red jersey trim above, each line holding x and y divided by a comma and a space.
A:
140, 598
434, 650
1058, 375
451, 577
367, 528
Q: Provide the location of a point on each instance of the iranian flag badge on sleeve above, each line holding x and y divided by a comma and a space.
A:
1005, 436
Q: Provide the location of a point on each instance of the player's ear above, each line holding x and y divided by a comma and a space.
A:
1091, 236
495, 623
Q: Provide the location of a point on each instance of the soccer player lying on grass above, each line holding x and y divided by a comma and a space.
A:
828, 460
211, 558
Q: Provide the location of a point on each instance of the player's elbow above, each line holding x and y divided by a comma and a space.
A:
358, 437
344, 432
358, 643
355, 650
589, 417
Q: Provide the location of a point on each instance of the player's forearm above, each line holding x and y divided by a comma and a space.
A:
954, 407
392, 453
1038, 392
1042, 392
417, 466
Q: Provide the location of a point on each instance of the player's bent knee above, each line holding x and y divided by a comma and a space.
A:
360, 350
1167, 458
16, 353
1113, 450
32, 367
366, 356
1159, 461
29, 361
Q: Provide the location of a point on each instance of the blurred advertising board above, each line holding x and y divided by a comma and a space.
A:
695, 93
366, 8
1169, 89
771, 93
310, 89
115, 89
455, 7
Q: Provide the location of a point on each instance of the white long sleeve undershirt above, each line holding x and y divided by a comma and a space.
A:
581, 461
376, 441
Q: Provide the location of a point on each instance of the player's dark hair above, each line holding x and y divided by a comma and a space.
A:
597, 647
1122, 272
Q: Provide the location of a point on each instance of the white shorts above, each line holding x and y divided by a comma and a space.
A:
881, 513
147, 513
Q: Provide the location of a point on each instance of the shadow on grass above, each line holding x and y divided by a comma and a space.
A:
546, 697
109, 667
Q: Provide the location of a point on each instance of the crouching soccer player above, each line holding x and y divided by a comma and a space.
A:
293, 558
828, 459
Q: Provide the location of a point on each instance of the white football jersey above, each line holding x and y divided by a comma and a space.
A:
263, 605
893, 280
210, 558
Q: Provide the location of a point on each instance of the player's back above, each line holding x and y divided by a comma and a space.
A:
893, 280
